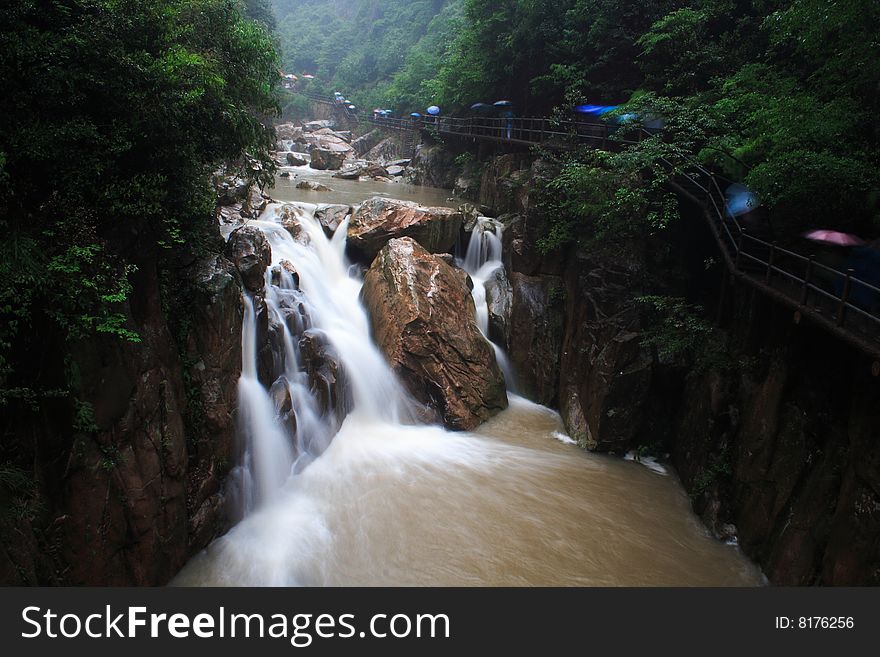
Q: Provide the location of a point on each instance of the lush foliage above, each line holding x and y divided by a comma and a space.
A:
115, 113
679, 333
780, 93
602, 196
376, 52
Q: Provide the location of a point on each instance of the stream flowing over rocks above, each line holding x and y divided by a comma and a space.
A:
379, 325
424, 321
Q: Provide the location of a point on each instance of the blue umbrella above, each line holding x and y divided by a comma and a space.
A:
503, 103
482, 107
433, 110
740, 200
596, 110
416, 115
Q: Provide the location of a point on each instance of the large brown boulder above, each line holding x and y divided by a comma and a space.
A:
423, 319
379, 219
325, 159
294, 160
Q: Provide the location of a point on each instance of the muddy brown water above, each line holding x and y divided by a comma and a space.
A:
513, 503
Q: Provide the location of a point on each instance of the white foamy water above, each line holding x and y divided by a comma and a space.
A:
389, 502
649, 462
482, 258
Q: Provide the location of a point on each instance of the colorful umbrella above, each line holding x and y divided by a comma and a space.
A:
740, 200
834, 237
596, 110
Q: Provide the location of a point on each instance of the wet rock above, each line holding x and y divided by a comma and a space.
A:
313, 126
230, 189
605, 372
423, 318
499, 298
326, 375
277, 274
255, 203
251, 254
395, 171
313, 186
364, 144
348, 174
433, 166
536, 331
331, 216
285, 174
213, 348
290, 216
325, 159
504, 186
288, 132
367, 170
379, 219
295, 160
281, 399
385, 150
468, 181
374, 170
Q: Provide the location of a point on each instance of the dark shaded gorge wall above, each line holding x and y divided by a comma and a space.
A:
780, 449
129, 493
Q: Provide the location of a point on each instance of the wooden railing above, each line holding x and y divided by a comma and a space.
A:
824, 294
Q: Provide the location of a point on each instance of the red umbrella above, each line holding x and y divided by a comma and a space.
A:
834, 237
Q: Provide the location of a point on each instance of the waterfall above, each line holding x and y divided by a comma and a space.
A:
282, 428
481, 260
392, 502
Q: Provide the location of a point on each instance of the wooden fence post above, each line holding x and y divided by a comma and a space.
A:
770, 263
806, 291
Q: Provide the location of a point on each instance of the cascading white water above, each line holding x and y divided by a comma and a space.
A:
390, 502
482, 259
322, 292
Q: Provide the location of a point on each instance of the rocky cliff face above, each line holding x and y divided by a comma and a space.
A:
780, 448
135, 489
785, 449
423, 319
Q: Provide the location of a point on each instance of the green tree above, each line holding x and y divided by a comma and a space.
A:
115, 113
